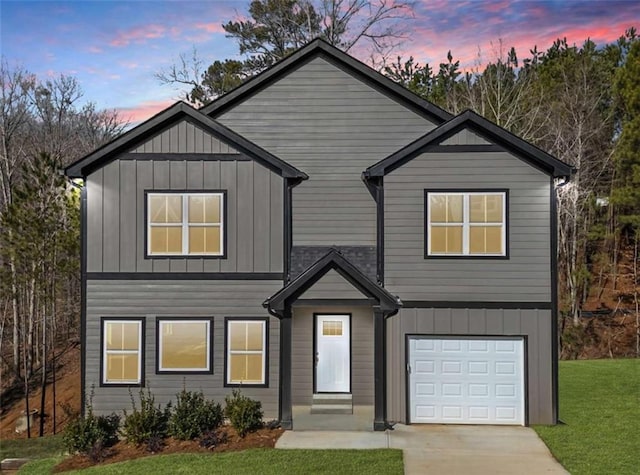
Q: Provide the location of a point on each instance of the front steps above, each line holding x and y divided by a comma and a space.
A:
332, 404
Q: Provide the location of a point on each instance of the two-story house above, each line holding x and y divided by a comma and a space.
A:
322, 237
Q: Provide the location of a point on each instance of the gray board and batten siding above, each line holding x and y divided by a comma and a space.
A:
524, 277
180, 298
116, 215
335, 126
534, 325
362, 353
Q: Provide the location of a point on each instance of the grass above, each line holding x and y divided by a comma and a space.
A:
600, 405
36, 447
249, 462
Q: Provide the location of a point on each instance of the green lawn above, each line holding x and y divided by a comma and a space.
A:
36, 447
600, 405
249, 462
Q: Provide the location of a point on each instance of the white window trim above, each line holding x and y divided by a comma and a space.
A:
106, 352
207, 368
185, 224
466, 224
262, 352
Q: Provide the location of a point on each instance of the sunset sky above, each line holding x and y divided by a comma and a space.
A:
115, 47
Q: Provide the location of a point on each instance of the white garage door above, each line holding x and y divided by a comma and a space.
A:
466, 380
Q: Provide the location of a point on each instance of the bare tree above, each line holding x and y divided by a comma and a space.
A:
278, 27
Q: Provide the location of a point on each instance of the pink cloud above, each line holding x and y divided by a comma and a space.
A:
210, 27
129, 64
94, 50
143, 111
140, 34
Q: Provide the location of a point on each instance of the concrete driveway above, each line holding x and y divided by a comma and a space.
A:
444, 449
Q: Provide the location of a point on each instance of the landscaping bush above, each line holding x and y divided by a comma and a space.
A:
213, 438
245, 414
147, 423
91, 434
193, 415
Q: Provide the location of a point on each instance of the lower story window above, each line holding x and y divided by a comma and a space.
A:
122, 343
246, 351
184, 345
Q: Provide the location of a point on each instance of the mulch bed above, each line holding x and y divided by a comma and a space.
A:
263, 438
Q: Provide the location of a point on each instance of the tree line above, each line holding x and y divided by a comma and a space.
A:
43, 127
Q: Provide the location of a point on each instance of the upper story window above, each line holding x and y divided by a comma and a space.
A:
185, 224
466, 223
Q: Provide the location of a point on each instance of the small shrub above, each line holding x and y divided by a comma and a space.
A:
148, 421
91, 434
213, 438
193, 415
245, 414
155, 444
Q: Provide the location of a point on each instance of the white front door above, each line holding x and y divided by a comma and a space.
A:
333, 359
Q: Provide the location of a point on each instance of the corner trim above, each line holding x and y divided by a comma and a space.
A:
83, 299
555, 403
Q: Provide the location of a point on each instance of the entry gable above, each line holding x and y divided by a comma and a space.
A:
175, 120
335, 261
480, 127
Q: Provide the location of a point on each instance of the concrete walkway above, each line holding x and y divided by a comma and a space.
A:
443, 449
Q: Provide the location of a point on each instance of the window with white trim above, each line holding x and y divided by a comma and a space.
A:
246, 351
184, 345
466, 223
122, 351
185, 224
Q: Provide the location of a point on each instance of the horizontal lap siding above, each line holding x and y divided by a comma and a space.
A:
149, 299
116, 221
332, 126
525, 276
361, 353
534, 324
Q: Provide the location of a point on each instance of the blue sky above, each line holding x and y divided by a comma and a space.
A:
115, 47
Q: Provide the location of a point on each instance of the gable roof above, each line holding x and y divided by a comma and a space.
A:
336, 261
177, 112
320, 48
468, 119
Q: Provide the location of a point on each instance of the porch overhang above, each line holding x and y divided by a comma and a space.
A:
279, 304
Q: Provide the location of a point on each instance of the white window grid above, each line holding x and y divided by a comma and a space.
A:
466, 224
107, 352
246, 352
185, 224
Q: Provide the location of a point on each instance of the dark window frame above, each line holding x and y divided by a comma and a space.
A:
159, 320
224, 222
142, 352
227, 384
425, 219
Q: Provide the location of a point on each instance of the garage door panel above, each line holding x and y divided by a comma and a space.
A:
473, 380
